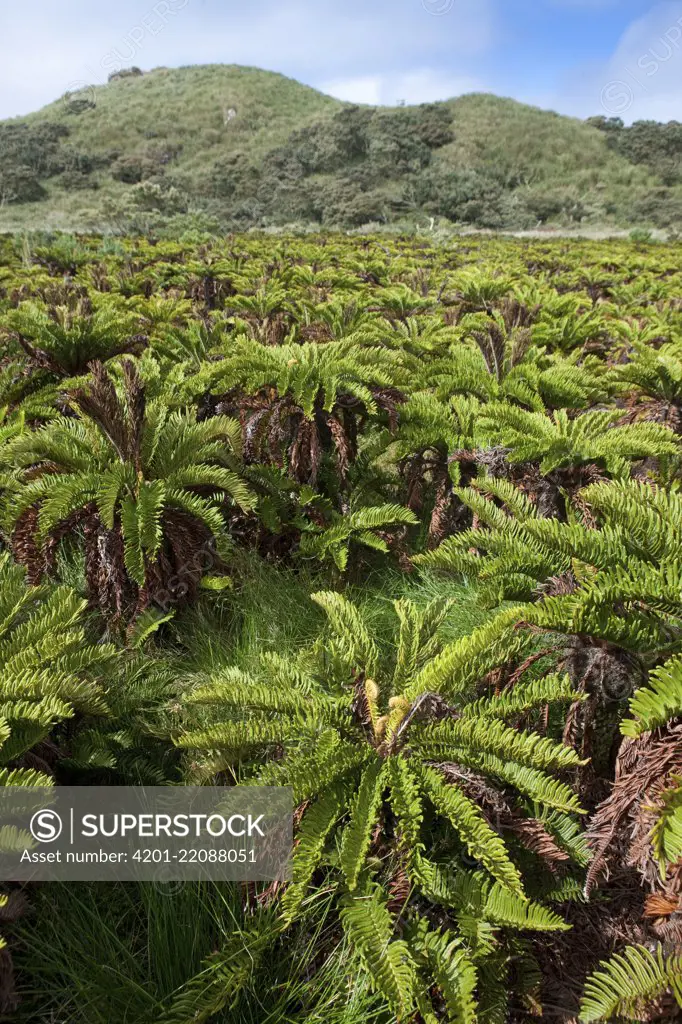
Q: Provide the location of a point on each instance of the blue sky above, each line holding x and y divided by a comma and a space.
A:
578, 57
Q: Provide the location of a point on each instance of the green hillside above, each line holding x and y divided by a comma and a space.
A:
238, 147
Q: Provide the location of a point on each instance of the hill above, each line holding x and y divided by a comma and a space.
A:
236, 147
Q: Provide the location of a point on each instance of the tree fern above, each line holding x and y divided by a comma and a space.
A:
373, 748
146, 486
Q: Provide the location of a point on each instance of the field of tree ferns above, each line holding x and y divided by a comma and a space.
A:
397, 525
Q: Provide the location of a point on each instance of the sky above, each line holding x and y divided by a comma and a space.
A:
579, 57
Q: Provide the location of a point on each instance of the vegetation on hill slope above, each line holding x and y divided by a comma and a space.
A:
233, 148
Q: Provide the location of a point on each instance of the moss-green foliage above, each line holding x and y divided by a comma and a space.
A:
247, 147
394, 524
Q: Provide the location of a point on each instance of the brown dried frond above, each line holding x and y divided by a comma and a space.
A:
621, 827
661, 905
360, 706
574, 478
599, 929
534, 835
389, 399
25, 547
412, 470
575, 724
282, 420
267, 896
399, 888
60, 532
516, 314
521, 339
528, 663
42, 360
478, 788
315, 332
187, 555
531, 832
275, 329
494, 459
254, 429
9, 1000
589, 519
344, 449
99, 401
464, 455
109, 586
557, 586
15, 906
654, 410
305, 454
492, 341
135, 401
438, 526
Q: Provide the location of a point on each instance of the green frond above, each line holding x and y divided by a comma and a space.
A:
234, 738
223, 977
66, 495
625, 983
524, 697
133, 551
417, 640
453, 970
357, 834
390, 965
492, 736
465, 661
481, 841
120, 478
316, 824
506, 909
537, 785
666, 834
656, 703
406, 803
312, 769
349, 629
25, 777
232, 688
151, 499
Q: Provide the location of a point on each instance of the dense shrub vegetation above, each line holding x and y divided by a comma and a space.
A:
235, 148
657, 145
395, 525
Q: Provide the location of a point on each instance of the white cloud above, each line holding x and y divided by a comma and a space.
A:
47, 47
362, 89
421, 86
643, 77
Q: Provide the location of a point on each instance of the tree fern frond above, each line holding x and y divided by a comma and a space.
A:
349, 629
482, 842
391, 967
357, 834
505, 908
316, 824
656, 703
623, 985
